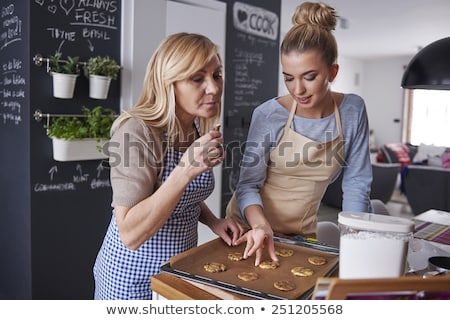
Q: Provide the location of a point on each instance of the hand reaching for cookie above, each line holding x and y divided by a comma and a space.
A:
257, 239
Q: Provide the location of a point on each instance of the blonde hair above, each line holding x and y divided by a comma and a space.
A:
313, 23
178, 57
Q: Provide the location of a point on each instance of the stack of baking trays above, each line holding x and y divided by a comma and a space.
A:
300, 264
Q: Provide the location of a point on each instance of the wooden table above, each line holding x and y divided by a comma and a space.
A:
171, 287
340, 289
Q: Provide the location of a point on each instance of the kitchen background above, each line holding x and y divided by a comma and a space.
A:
39, 257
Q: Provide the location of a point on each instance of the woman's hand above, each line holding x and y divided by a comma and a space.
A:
228, 229
203, 154
260, 237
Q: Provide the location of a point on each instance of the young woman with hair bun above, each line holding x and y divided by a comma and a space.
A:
313, 133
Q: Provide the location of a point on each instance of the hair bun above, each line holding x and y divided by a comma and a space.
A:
316, 14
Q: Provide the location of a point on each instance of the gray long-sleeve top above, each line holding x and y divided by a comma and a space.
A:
266, 129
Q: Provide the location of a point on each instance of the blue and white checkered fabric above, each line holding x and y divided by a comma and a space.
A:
122, 274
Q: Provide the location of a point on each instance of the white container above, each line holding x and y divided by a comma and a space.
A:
82, 149
373, 245
99, 87
64, 85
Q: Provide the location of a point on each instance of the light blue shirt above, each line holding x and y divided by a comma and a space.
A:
266, 129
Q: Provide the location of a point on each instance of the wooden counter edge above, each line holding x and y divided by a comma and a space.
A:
340, 288
173, 288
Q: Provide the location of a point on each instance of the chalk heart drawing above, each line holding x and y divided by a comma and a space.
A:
67, 5
39, 2
242, 15
52, 9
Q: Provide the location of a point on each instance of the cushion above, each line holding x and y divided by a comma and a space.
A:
446, 160
427, 152
412, 150
435, 161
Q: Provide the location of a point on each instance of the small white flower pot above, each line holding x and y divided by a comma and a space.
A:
99, 87
75, 150
63, 85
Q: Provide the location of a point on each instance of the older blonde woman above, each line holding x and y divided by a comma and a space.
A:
162, 152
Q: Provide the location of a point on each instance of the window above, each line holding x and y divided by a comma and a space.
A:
427, 117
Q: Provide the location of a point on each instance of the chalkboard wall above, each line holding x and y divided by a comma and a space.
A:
14, 159
54, 214
252, 60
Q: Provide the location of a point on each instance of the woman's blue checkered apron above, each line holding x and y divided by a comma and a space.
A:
121, 273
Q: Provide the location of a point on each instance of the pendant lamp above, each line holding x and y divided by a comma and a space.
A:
429, 68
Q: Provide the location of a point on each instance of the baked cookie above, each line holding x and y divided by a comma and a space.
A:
302, 272
284, 285
235, 256
269, 264
215, 267
317, 260
248, 276
284, 252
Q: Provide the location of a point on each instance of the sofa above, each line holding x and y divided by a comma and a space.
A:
425, 174
385, 176
426, 187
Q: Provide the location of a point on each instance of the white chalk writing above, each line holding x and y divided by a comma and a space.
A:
12, 91
11, 26
79, 179
86, 19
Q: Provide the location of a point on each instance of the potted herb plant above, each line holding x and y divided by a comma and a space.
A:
64, 74
81, 137
100, 71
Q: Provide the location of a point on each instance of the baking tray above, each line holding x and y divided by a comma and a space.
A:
189, 265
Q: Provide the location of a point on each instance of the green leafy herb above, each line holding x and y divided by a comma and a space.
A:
95, 123
69, 66
102, 66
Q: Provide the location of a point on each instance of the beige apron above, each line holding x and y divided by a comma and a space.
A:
298, 174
